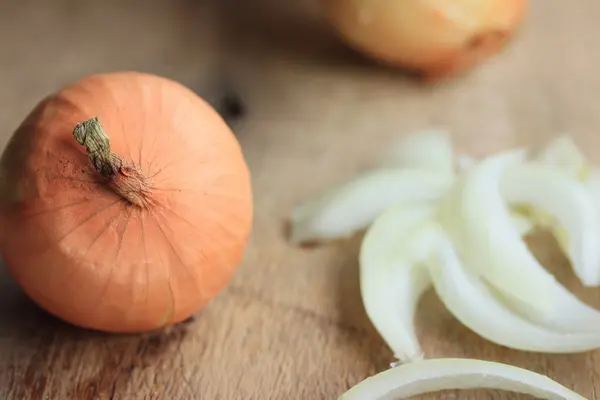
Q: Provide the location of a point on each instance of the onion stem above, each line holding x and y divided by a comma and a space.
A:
125, 180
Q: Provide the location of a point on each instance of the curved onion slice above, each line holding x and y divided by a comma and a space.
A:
479, 223
522, 221
567, 201
563, 152
476, 307
429, 150
352, 206
392, 279
456, 373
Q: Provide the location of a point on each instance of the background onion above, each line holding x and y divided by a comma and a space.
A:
434, 37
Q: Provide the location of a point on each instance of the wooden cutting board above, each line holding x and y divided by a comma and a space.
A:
291, 324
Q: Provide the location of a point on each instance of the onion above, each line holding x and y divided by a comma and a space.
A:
392, 276
433, 37
465, 162
475, 306
456, 373
363, 198
480, 225
428, 149
466, 240
569, 205
129, 225
416, 168
564, 153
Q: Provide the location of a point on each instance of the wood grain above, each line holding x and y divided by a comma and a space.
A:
291, 324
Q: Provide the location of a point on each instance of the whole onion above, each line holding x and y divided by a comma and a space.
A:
436, 38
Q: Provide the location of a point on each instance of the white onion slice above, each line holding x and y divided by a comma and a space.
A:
352, 206
563, 152
522, 224
392, 279
426, 149
476, 307
480, 225
568, 202
456, 373
592, 183
472, 206
465, 162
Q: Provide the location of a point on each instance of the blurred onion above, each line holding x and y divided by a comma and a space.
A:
436, 38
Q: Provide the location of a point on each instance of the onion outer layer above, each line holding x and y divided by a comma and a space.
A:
433, 375
437, 38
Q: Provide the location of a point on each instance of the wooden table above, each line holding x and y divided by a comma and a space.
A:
291, 324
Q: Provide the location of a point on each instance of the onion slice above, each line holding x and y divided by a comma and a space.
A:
464, 162
456, 373
479, 223
354, 205
522, 221
569, 204
563, 152
392, 278
475, 306
427, 149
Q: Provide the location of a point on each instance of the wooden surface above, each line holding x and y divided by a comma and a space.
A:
291, 324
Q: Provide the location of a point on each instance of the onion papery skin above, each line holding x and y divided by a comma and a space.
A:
435, 38
87, 255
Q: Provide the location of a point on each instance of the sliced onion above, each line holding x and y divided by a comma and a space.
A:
563, 204
592, 183
476, 307
481, 227
523, 224
352, 206
522, 220
429, 150
570, 205
456, 373
563, 152
392, 279
465, 162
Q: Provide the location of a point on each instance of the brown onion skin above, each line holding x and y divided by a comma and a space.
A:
384, 39
85, 250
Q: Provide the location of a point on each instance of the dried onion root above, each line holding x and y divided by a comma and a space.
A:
433, 375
